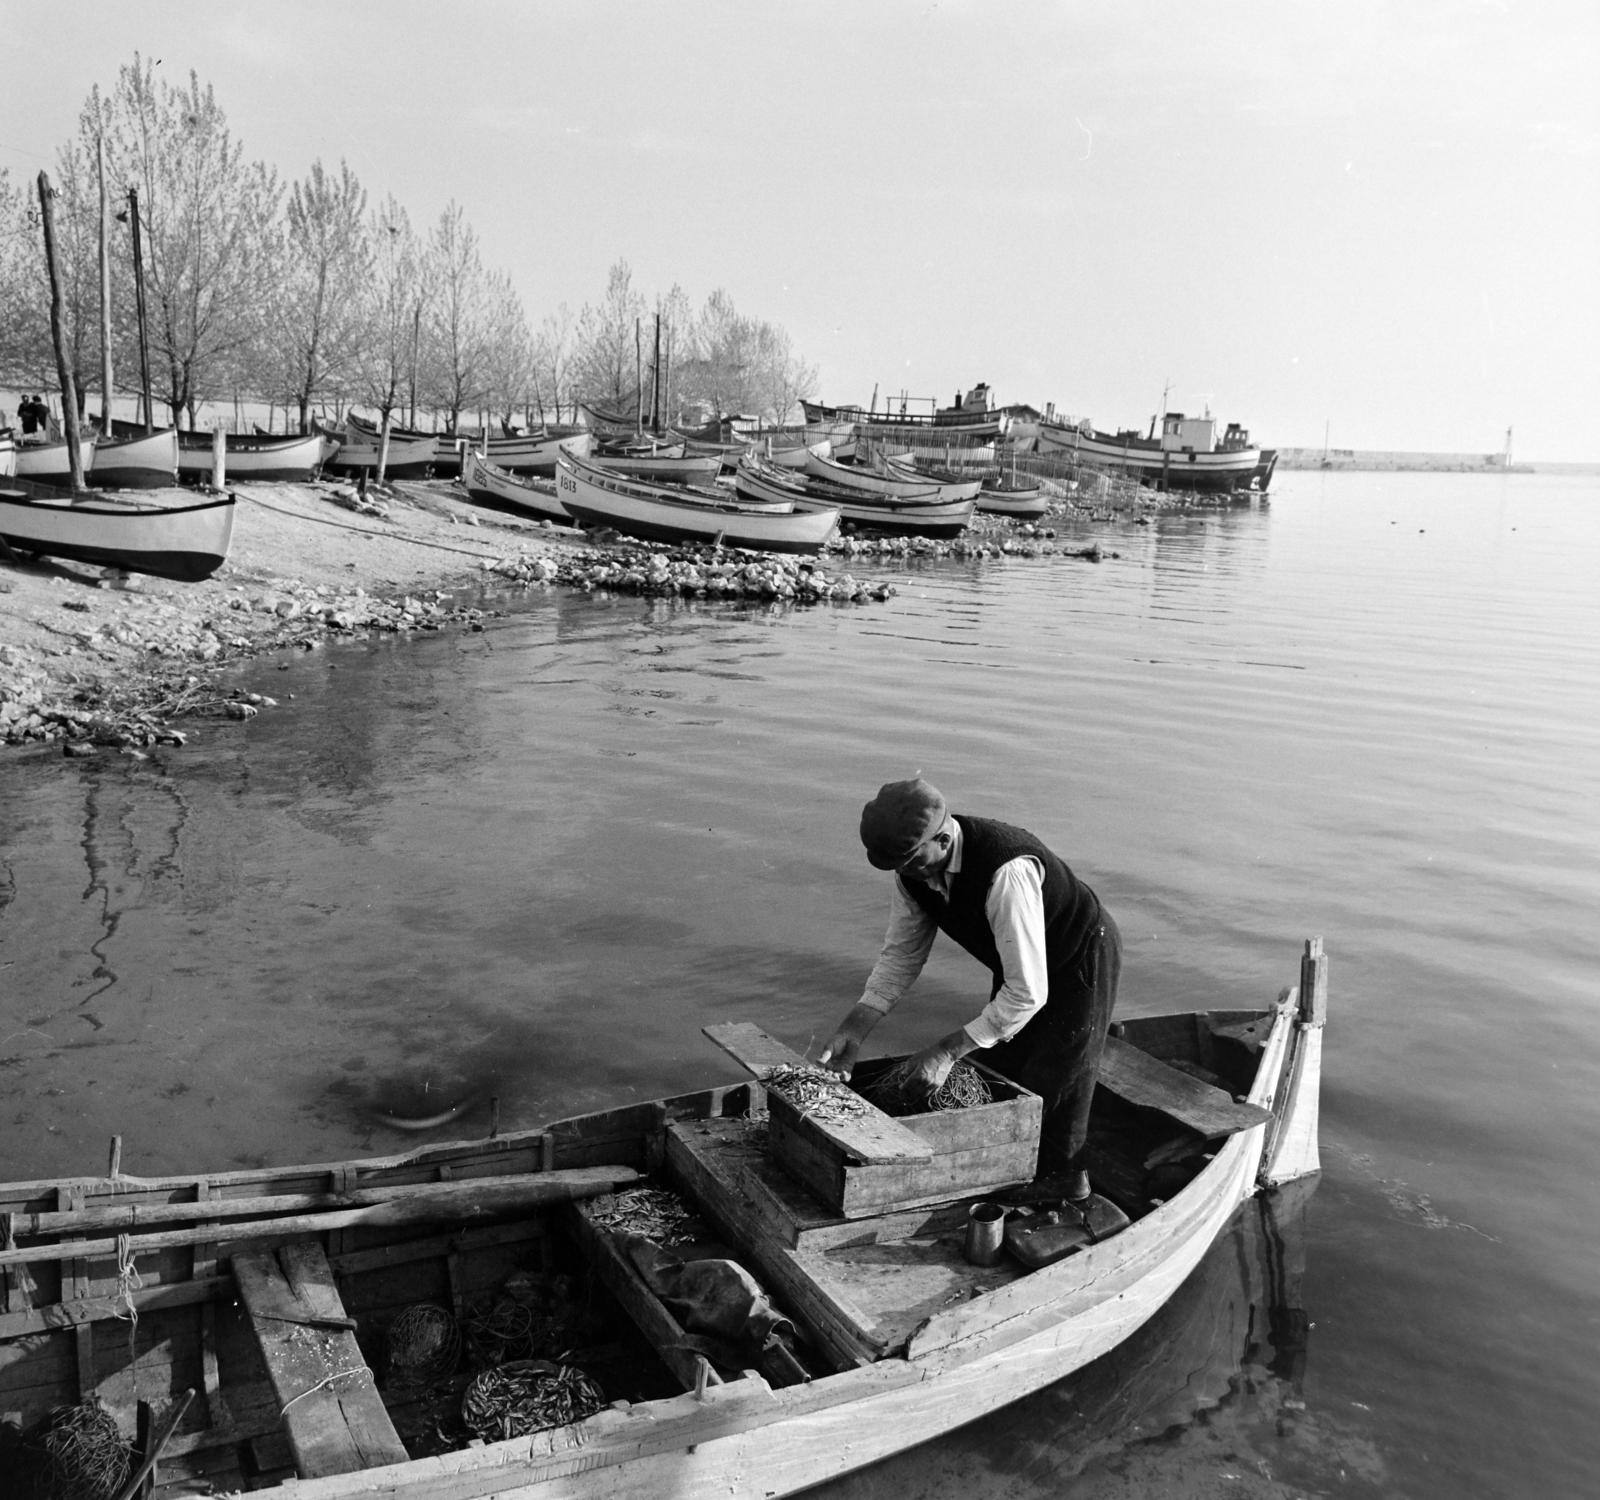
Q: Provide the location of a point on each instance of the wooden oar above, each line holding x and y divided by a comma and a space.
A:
179, 1407
417, 1203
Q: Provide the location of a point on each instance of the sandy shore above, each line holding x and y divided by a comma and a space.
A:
91, 660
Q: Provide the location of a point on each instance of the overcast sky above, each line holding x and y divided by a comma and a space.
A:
1381, 216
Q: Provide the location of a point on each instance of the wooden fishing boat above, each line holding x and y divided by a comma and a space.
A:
183, 542
1022, 500
869, 481
925, 514
1186, 456
255, 456
409, 457
146, 462
663, 513
952, 486
278, 1293
983, 424
661, 468
492, 485
8, 455
47, 463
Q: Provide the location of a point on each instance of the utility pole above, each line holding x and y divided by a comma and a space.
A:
105, 287
655, 383
138, 291
69, 387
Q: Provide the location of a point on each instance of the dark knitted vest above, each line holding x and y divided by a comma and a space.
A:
1071, 910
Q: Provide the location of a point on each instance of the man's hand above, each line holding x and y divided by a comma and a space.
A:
845, 1044
932, 1065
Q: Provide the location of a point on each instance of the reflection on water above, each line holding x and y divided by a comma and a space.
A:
533, 863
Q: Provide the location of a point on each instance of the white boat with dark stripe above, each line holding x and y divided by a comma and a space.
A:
662, 513
1185, 456
181, 542
492, 485
148, 461
47, 463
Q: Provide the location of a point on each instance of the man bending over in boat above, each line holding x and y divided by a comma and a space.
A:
1052, 950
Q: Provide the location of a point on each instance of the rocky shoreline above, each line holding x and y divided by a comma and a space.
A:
92, 661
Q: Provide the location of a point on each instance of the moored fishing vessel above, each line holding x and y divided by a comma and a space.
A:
277, 1293
182, 542
1186, 456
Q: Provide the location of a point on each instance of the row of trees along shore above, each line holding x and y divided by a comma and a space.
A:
307, 296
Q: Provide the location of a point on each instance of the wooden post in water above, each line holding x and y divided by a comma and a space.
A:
105, 287
138, 292
69, 387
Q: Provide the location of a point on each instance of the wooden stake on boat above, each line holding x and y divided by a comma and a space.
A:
69, 386
152, 1456
494, 1116
219, 458
138, 293
114, 1167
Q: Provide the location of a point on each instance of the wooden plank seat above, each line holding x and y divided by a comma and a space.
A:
334, 1417
1136, 1076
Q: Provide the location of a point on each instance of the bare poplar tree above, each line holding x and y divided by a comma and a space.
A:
508, 348
309, 346
552, 361
209, 220
604, 357
388, 317
458, 317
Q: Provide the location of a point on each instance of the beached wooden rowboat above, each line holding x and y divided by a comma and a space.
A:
758, 482
409, 457
661, 468
254, 456
869, 481
663, 513
47, 463
494, 486
269, 1290
8, 455
183, 542
148, 461
1020, 501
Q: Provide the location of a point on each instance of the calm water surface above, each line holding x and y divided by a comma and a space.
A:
535, 862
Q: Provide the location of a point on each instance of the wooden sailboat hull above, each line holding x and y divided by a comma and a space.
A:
148, 462
183, 542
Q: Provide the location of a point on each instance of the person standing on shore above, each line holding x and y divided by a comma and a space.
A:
1053, 953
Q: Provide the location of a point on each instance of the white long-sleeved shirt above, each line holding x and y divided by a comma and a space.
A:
1015, 909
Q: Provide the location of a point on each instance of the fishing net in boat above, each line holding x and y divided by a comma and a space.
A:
74, 1453
527, 1396
899, 1092
502, 1330
815, 1092
424, 1345
657, 1214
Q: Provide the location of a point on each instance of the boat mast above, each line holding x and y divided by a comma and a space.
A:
638, 380
105, 279
655, 383
138, 292
69, 386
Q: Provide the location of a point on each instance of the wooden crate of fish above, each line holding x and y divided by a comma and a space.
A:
859, 1161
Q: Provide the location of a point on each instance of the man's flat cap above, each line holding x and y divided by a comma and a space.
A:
901, 816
